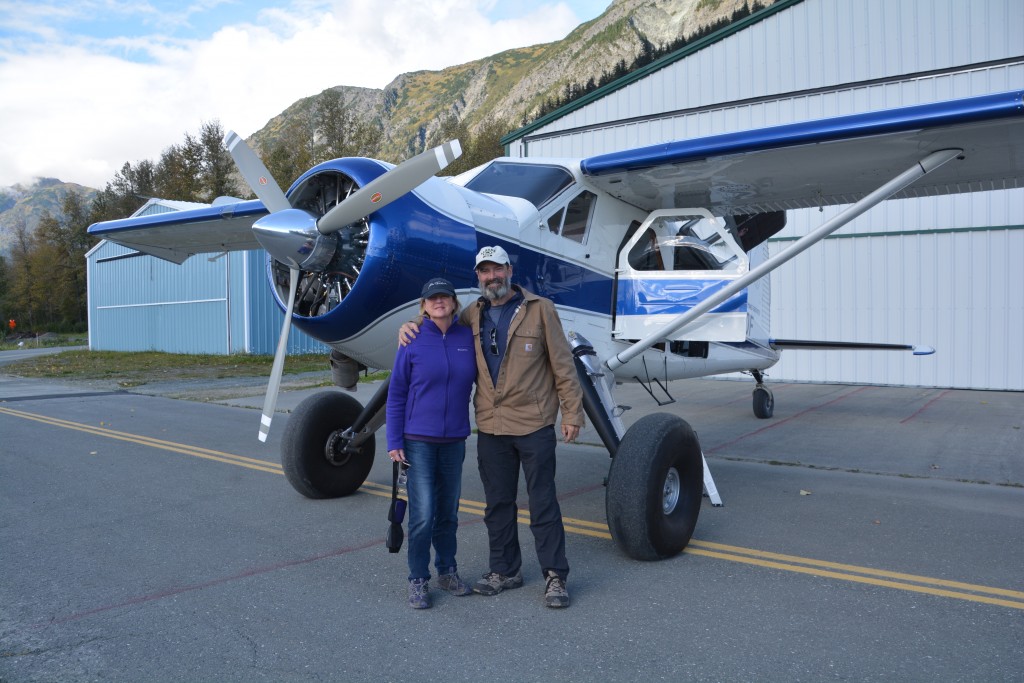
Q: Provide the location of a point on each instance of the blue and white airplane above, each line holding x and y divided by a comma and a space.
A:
654, 257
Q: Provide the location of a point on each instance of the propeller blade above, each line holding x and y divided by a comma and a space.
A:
255, 173
385, 189
270, 402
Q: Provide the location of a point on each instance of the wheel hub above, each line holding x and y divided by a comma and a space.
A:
336, 448
671, 491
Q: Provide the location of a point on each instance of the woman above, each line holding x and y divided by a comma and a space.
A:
427, 426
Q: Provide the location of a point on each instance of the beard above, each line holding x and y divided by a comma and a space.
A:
496, 288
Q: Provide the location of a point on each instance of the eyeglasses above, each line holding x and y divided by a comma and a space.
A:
494, 341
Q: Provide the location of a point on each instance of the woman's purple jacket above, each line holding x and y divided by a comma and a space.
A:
431, 385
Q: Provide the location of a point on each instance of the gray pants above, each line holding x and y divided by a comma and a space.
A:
499, 458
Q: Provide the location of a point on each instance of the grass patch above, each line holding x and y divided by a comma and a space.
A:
148, 366
42, 341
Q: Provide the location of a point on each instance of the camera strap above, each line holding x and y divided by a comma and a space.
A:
394, 483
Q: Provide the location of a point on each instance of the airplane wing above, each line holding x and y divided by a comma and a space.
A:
823, 162
176, 235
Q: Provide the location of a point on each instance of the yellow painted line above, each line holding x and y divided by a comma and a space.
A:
760, 558
862, 579
228, 458
913, 578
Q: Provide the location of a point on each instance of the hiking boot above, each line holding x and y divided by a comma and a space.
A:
555, 594
453, 584
493, 583
419, 594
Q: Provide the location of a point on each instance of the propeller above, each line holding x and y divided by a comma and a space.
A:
270, 402
269, 192
255, 173
297, 239
386, 188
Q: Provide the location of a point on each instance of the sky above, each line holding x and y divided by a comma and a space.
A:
86, 85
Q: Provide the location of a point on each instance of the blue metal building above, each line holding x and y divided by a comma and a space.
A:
217, 304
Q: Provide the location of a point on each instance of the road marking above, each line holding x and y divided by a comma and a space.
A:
791, 563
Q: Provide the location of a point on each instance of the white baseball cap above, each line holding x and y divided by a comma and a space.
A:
492, 254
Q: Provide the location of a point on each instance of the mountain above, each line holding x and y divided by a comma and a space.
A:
26, 205
512, 86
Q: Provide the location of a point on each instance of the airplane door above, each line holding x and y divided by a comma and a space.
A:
674, 260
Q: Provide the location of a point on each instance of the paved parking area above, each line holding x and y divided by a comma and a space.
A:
868, 533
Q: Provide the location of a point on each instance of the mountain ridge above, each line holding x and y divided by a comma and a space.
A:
512, 85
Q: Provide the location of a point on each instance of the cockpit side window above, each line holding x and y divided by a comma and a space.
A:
645, 254
577, 216
555, 220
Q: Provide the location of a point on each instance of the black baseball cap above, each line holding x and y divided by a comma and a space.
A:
437, 285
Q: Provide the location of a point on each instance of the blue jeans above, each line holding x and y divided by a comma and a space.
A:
434, 485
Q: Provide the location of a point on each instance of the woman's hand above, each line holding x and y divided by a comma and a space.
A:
397, 455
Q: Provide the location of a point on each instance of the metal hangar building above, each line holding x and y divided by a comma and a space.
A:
213, 304
944, 271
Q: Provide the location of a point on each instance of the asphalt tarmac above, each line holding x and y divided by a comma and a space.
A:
868, 533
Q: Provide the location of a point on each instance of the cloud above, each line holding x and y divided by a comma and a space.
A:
77, 106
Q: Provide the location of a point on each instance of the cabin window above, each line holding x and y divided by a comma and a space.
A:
555, 220
536, 183
697, 245
577, 216
684, 244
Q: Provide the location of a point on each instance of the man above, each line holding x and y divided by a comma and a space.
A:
525, 374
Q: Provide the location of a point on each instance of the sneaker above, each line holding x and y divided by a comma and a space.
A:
452, 583
493, 583
419, 594
555, 594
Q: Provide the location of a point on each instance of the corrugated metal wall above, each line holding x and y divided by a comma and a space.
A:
820, 58
202, 306
910, 271
146, 304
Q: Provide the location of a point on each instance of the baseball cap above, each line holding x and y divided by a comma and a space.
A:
437, 285
492, 254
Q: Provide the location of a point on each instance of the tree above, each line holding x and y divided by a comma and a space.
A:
333, 122
339, 132
217, 166
23, 293
289, 156
126, 193
5, 306
74, 245
179, 171
50, 284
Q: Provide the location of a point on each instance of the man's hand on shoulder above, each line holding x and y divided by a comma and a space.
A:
407, 332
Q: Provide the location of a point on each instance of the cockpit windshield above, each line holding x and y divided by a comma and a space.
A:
536, 183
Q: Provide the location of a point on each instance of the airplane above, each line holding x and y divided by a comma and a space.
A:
654, 257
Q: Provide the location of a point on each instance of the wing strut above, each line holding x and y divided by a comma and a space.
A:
915, 172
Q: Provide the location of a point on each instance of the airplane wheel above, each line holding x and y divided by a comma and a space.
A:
306, 447
764, 403
654, 488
